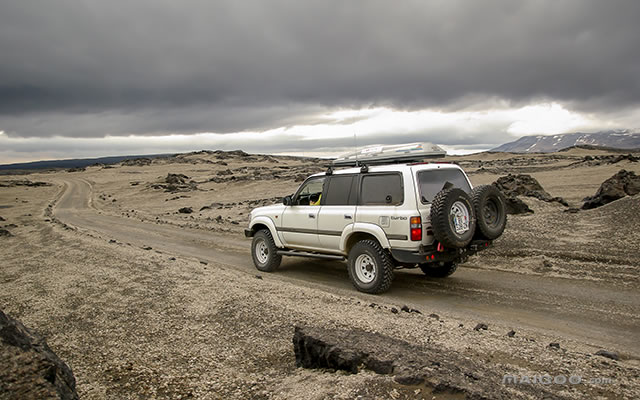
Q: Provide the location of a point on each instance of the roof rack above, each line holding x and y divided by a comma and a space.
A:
391, 154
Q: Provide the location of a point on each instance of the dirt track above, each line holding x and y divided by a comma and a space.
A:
589, 312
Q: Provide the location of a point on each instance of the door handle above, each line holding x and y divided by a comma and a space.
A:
346, 216
312, 215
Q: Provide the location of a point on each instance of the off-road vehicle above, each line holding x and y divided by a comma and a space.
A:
379, 218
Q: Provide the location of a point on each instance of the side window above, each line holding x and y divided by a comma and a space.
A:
310, 193
381, 189
339, 191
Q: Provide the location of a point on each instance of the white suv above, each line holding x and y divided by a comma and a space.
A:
380, 218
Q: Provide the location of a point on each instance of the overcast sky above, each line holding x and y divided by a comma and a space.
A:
84, 78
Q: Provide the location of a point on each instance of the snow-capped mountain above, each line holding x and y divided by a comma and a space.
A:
621, 139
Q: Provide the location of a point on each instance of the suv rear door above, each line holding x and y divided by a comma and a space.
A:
380, 202
338, 209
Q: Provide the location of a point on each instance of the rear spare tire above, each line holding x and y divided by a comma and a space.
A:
491, 214
453, 219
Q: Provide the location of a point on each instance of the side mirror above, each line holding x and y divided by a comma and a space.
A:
286, 200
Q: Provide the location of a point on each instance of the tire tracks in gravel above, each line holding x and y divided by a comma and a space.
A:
588, 312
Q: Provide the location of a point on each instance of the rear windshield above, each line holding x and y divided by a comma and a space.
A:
432, 181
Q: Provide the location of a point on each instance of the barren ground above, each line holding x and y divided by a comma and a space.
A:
144, 301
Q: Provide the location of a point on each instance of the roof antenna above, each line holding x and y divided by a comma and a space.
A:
355, 143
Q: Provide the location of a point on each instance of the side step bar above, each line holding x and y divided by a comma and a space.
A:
312, 255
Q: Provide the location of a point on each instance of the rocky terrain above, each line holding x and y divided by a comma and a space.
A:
138, 277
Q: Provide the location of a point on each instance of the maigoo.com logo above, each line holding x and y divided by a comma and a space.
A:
547, 379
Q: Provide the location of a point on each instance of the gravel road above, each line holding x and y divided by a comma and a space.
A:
586, 311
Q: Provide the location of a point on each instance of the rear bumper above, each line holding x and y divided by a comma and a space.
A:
431, 253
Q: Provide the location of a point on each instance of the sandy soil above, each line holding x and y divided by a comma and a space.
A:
144, 301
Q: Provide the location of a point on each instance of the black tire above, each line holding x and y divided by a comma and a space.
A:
443, 225
491, 211
367, 259
439, 270
264, 251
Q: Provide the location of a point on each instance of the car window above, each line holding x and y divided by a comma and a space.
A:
339, 191
431, 182
311, 192
381, 189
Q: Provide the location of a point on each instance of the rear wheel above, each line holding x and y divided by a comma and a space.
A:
370, 267
264, 252
439, 270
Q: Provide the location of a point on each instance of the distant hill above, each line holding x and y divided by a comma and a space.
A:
74, 163
550, 143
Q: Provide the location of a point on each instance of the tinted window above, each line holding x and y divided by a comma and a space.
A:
433, 181
381, 189
339, 191
311, 192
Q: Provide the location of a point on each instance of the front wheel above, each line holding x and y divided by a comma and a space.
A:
370, 267
264, 252
439, 270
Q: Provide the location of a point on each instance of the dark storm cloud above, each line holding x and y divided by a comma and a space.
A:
116, 67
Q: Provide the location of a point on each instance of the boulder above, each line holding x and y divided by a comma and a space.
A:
618, 186
176, 179
516, 206
29, 369
5, 233
319, 348
525, 185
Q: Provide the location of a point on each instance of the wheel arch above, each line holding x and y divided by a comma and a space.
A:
259, 223
362, 232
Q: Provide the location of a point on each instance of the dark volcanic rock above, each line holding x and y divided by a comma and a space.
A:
481, 326
185, 210
525, 185
77, 169
5, 233
136, 162
626, 157
319, 348
440, 370
29, 369
176, 183
516, 206
23, 182
608, 354
176, 179
618, 186
2, 219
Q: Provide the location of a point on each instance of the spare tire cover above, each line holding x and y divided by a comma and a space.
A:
453, 218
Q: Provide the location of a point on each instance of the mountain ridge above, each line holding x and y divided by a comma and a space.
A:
618, 139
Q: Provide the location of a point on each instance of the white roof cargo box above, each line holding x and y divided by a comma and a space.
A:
388, 154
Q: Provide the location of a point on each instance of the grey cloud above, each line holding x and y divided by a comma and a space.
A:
162, 66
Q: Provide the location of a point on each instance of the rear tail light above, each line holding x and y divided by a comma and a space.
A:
416, 228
